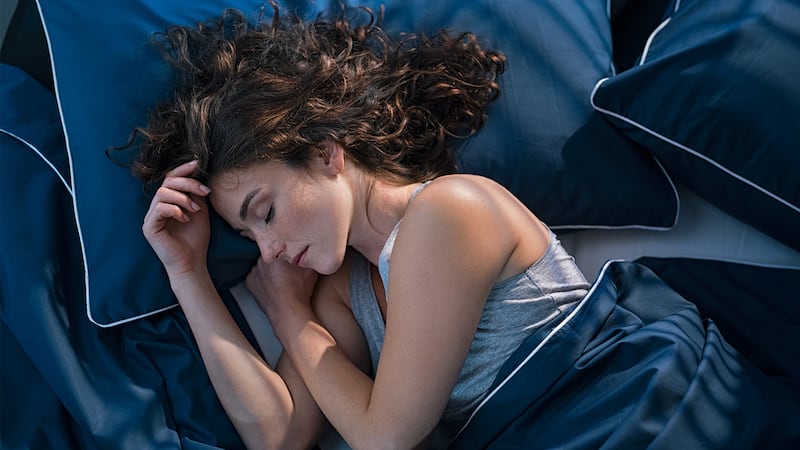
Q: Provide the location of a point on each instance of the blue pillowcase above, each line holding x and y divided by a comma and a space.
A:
717, 101
107, 77
542, 140
31, 119
539, 141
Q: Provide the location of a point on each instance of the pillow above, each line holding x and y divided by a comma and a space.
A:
107, 77
632, 21
31, 118
717, 100
539, 141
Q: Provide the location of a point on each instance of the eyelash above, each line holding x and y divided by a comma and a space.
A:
270, 214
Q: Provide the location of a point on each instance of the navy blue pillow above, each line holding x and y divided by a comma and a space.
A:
539, 140
717, 100
30, 118
107, 76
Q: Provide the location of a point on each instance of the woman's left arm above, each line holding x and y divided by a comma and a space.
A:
452, 246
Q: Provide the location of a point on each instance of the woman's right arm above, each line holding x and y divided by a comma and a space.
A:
269, 409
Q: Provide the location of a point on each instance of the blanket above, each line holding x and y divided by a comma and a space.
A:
634, 365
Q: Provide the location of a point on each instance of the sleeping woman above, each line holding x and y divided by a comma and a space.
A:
397, 287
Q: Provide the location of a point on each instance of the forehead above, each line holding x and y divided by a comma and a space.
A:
229, 188
233, 179
273, 172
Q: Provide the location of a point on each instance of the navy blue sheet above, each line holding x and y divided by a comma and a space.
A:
634, 366
67, 383
756, 308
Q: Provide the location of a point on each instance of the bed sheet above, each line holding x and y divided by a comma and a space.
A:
66, 383
702, 231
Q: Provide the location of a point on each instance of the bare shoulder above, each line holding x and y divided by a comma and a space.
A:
476, 192
462, 188
472, 201
479, 212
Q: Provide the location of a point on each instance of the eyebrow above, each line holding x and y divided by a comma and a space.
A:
246, 203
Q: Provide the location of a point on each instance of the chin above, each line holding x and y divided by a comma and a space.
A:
329, 266
325, 271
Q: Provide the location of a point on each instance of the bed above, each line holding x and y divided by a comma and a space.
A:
658, 139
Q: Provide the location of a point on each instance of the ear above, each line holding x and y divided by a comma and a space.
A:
332, 157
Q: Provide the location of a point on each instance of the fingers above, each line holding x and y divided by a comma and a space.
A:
165, 211
180, 190
184, 170
176, 198
180, 179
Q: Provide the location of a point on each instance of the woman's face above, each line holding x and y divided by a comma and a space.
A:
300, 215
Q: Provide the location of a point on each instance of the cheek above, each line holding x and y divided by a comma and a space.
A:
328, 232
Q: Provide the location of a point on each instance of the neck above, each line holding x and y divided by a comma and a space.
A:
378, 209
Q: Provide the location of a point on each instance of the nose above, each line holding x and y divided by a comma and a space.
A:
270, 249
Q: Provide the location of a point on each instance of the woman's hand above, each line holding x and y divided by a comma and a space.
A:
177, 225
281, 288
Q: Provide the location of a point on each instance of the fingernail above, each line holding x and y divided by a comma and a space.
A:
195, 206
205, 188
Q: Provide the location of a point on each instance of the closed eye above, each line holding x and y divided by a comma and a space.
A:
270, 214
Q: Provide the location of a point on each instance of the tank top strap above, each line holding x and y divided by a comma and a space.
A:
386, 252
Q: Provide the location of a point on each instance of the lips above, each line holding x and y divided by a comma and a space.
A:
299, 258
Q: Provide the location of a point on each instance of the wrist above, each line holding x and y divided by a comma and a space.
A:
189, 279
289, 319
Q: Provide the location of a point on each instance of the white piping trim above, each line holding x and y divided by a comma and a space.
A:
69, 154
656, 31
624, 227
690, 151
650, 39
126, 320
74, 195
36, 150
539, 346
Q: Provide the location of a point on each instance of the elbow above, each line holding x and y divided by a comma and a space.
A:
388, 441
271, 433
260, 433
385, 429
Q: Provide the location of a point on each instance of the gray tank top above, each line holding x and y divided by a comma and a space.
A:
515, 308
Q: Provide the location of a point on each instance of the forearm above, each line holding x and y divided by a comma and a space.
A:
255, 397
340, 388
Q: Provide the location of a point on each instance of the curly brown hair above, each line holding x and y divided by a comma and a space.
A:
273, 91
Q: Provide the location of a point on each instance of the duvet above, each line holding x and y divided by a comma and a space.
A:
633, 366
